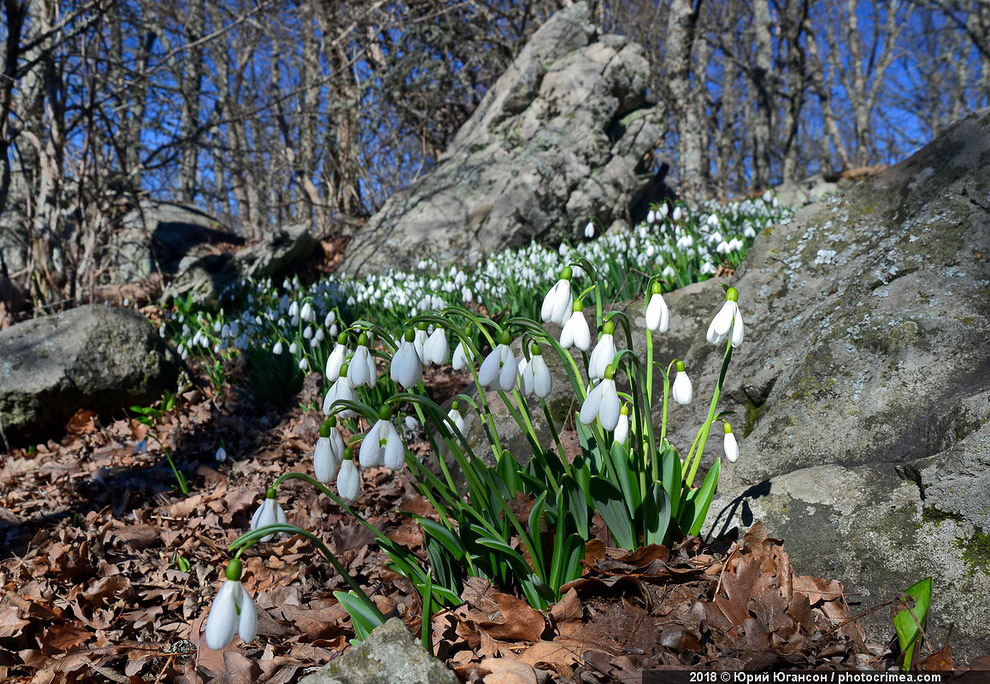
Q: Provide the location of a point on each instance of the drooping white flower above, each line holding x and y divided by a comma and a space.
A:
304, 364
382, 445
651, 216
668, 272
728, 321
500, 368
436, 350
682, 391
729, 444
361, 369
460, 360
307, 313
349, 478
419, 341
603, 353
558, 302
277, 349
269, 513
232, 612
602, 403
576, 332
535, 378
341, 390
657, 313
220, 455
678, 214
336, 358
293, 348
329, 451
294, 309
622, 427
455, 417
589, 230
407, 367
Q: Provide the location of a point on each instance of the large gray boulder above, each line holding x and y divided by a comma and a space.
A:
93, 357
862, 391
558, 139
389, 655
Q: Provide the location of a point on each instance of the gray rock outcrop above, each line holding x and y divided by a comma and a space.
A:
389, 655
862, 391
861, 394
207, 277
93, 357
160, 236
558, 140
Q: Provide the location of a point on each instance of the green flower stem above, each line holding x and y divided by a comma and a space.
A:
556, 436
702, 437
666, 402
254, 536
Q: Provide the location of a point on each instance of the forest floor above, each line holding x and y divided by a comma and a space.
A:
106, 572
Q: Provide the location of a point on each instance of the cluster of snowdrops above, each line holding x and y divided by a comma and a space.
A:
642, 487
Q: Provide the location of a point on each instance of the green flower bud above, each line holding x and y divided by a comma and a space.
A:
732, 295
536, 349
608, 328
504, 338
385, 413
565, 273
410, 335
271, 493
578, 305
234, 568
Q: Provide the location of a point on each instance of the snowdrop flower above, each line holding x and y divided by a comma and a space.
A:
678, 214
304, 364
220, 455
727, 321
602, 402
558, 301
589, 230
603, 353
361, 369
406, 368
685, 242
499, 369
535, 377
277, 349
707, 268
668, 272
294, 309
330, 319
340, 390
293, 348
411, 423
460, 360
348, 479
651, 216
419, 341
664, 210
713, 221
657, 313
269, 513
455, 417
308, 333
729, 444
749, 232
233, 612
307, 313
382, 444
436, 350
682, 390
576, 332
336, 358
622, 427
329, 451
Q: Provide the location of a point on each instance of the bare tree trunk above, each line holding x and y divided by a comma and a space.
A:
762, 81
681, 22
